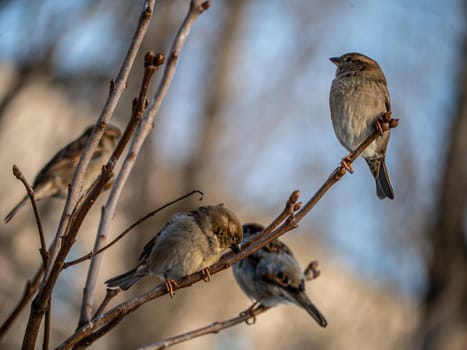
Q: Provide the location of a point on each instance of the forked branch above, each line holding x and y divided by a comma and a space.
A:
287, 220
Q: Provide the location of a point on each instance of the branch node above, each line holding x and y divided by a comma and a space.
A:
16, 171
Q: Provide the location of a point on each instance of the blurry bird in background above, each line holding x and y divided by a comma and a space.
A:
190, 242
272, 276
57, 174
359, 98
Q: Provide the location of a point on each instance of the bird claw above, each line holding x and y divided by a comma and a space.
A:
379, 126
384, 123
346, 163
169, 286
206, 274
250, 311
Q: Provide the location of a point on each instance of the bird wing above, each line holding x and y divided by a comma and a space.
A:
67, 157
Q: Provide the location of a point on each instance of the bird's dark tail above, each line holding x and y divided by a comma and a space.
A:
303, 300
383, 182
125, 280
15, 210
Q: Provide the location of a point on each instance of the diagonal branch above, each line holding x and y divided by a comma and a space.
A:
151, 64
248, 316
287, 220
57, 254
30, 289
215, 327
43, 249
339, 172
117, 88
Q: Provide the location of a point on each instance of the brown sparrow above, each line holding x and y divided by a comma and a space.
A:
190, 242
359, 98
57, 174
272, 276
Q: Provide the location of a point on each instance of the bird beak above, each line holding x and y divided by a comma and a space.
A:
334, 60
235, 248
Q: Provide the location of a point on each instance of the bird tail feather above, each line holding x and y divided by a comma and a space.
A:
125, 280
380, 173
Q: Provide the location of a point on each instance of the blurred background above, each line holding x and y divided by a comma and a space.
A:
246, 121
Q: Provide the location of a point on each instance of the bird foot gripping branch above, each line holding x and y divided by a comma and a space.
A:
385, 122
251, 312
346, 163
206, 274
382, 124
169, 286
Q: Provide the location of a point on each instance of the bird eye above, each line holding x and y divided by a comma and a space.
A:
348, 59
283, 278
234, 239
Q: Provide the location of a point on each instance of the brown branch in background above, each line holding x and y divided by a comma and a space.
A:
339, 172
213, 328
30, 289
127, 230
43, 249
46, 340
117, 87
69, 226
112, 317
196, 8
311, 272
268, 235
152, 63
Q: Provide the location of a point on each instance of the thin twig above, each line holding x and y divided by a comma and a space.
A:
114, 315
261, 239
152, 63
127, 230
340, 171
196, 8
30, 289
58, 255
213, 328
216, 327
43, 249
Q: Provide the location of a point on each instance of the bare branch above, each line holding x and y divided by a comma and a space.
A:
58, 255
151, 65
272, 232
245, 316
339, 172
213, 328
127, 230
43, 249
30, 289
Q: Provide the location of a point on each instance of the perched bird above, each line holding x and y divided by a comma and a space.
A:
190, 242
57, 174
272, 276
359, 98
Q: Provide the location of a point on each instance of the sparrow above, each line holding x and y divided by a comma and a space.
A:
57, 174
189, 242
358, 100
272, 276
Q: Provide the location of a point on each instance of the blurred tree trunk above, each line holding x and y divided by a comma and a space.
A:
444, 324
221, 61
